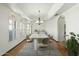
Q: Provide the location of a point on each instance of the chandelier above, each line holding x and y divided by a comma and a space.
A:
39, 21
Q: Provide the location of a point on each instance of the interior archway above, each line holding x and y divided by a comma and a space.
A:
61, 28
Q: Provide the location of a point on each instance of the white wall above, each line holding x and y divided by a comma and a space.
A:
5, 45
51, 27
71, 19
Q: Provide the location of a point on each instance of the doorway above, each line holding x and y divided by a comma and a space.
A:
61, 29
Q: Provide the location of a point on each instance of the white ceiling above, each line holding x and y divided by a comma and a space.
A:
30, 10
65, 7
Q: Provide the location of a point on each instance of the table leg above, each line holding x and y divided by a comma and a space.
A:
35, 46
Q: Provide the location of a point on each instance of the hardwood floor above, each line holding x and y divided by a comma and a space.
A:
48, 51
15, 49
60, 47
55, 44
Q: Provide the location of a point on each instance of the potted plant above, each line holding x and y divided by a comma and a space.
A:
72, 45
